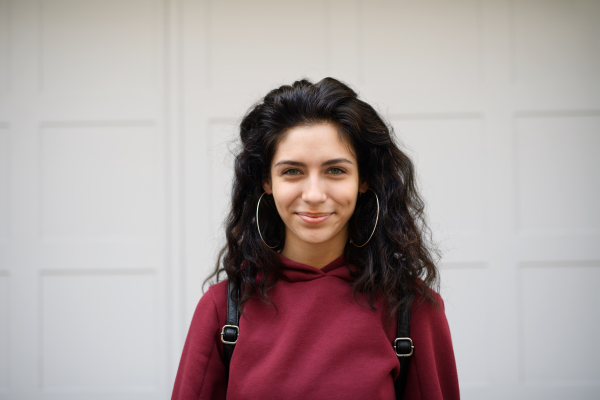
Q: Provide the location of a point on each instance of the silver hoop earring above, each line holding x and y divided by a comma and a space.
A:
376, 220
258, 226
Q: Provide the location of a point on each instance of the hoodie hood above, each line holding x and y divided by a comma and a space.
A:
297, 272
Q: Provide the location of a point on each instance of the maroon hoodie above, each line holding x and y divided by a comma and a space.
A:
319, 345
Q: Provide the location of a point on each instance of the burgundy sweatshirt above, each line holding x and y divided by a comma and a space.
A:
320, 345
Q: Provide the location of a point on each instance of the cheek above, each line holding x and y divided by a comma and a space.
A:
284, 196
346, 197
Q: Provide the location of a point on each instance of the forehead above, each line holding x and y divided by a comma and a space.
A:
313, 143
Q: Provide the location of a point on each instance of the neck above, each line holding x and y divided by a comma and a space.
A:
316, 255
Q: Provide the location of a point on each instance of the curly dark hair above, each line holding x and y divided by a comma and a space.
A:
399, 260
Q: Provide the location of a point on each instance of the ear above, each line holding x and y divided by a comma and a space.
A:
363, 187
267, 187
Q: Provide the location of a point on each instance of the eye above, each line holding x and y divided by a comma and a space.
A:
336, 171
292, 171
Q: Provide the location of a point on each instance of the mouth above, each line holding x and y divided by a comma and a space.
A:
314, 218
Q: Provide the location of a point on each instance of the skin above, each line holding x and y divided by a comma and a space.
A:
315, 184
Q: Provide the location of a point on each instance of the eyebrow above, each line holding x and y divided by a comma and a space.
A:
326, 163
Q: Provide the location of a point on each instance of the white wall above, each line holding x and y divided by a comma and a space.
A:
115, 118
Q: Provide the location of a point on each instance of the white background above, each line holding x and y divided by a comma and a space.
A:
116, 121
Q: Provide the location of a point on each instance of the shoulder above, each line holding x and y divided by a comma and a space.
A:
218, 293
428, 302
428, 317
433, 373
212, 307
431, 337
210, 314
201, 372
214, 301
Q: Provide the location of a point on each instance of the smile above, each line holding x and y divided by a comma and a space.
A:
314, 218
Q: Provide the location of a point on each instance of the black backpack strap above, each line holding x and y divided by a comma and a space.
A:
231, 329
404, 349
403, 344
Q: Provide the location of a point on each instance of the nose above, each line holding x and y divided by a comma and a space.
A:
314, 192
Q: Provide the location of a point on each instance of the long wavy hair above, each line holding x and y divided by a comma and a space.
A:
398, 262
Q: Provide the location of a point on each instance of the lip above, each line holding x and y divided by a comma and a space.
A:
314, 218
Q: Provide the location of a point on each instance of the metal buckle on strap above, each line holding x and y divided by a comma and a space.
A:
237, 333
410, 343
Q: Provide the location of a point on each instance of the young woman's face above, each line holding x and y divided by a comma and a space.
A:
314, 182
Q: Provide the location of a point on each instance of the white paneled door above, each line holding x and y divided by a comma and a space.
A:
85, 199
118, 120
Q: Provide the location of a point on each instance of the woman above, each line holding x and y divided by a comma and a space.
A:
326, 241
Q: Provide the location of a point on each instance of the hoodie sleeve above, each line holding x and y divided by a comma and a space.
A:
201, 374
432, 371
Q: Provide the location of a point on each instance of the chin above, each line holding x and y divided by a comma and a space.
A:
316, 238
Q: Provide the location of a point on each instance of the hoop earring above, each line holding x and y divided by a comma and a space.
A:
376, 220
258, 226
